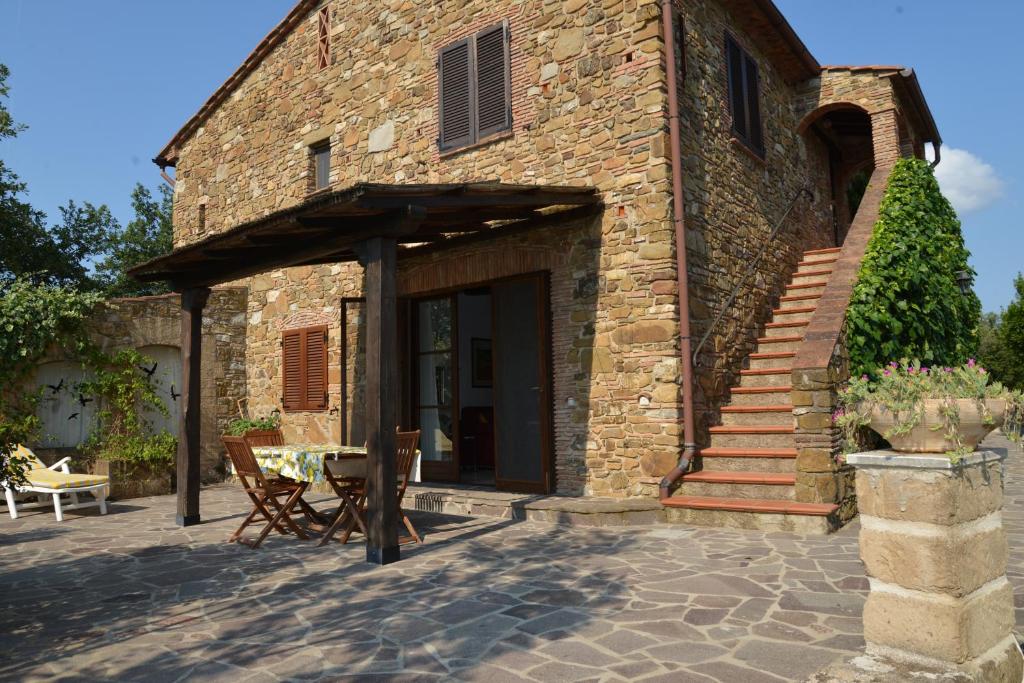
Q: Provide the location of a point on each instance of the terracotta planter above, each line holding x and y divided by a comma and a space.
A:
929, 436
133, 480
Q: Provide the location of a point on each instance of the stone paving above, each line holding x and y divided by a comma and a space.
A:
132, 597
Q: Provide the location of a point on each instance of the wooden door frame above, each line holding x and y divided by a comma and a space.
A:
544, 379
431, 469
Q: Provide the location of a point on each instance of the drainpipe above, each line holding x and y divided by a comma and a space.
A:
938, 155
689, 445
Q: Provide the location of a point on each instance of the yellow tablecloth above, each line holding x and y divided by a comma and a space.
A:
301, 462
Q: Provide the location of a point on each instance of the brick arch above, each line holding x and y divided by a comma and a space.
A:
483, 264
816, 115
304, 319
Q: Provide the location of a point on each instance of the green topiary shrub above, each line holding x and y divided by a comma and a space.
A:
907, 302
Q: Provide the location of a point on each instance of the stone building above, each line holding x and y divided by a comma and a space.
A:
540, 350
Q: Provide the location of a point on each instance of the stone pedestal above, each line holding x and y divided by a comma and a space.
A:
933, 545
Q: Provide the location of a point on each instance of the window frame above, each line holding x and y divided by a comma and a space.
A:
474, 136
315, 150
743, 92
304, 405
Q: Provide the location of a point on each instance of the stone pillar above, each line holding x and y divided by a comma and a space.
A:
933, 545
885, 137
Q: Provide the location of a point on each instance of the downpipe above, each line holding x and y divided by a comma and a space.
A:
682, 276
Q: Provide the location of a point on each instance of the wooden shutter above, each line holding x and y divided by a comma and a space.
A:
752, 86
291, 370
315, 347
492, 82
455, 96
737, 99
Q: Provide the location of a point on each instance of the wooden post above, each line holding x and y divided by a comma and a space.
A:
381, 399
192, 303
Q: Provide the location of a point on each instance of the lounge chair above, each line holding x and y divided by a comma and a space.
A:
56, 480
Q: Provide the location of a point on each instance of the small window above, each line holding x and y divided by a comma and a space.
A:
321, 165
474, 85
744, 96
202, 216
324, 38
304, 369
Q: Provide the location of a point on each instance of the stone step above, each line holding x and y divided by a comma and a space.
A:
771, 377
751, 513
816, 262
759, 485
816, 275
770, 344
745, 464
750, 416
800, 299
771, 359
827, 250
806, 288
758, 436
780, 315
774, 330
756, 396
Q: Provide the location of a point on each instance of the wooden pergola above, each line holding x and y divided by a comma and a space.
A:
375, 225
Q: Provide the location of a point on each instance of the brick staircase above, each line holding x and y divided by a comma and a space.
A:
747, 477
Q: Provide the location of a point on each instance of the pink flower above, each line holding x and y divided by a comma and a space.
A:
924, 371
911, 370
864, 378
947, 369
893, 364
970, 362
887, 372
982, 371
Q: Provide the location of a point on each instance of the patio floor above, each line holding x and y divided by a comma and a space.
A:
132, 597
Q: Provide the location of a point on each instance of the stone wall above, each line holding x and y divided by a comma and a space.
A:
734, 198
156, 321
589, 108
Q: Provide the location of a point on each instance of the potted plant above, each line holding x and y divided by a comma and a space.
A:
928, 410
259, 426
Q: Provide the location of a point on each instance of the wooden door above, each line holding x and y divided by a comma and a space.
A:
435, 386
522, 385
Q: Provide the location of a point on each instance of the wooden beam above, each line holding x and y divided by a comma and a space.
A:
192, 303
379, 256
539, 199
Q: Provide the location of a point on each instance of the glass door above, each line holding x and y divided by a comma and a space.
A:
436, 379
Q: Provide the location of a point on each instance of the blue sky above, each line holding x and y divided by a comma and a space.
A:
104, 84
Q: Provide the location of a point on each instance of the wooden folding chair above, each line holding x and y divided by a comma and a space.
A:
352, 491
263, 491
267, 437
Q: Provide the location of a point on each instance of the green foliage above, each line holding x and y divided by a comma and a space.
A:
907, 301
243, 425
902, 388
125, 394
1002, 340
32, 320
147, 236
39, 318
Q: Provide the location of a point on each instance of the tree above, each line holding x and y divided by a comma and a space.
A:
1002, 340
148, 235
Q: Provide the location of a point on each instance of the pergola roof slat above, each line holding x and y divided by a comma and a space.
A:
328, 227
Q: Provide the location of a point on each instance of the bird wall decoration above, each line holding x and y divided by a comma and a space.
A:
149, 371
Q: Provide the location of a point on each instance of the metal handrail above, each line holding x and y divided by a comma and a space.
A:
750, 270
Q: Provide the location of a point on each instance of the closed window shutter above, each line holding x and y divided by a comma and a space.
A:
492, 81
315, 343
291, 370
737, 99
753, 105
456, 98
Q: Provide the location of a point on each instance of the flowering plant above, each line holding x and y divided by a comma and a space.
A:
902, 388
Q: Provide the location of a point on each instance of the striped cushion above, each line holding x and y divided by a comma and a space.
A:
58, 480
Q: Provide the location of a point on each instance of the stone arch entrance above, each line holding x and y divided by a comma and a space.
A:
845, 129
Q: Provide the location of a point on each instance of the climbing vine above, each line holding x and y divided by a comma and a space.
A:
907, 301
36, 320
